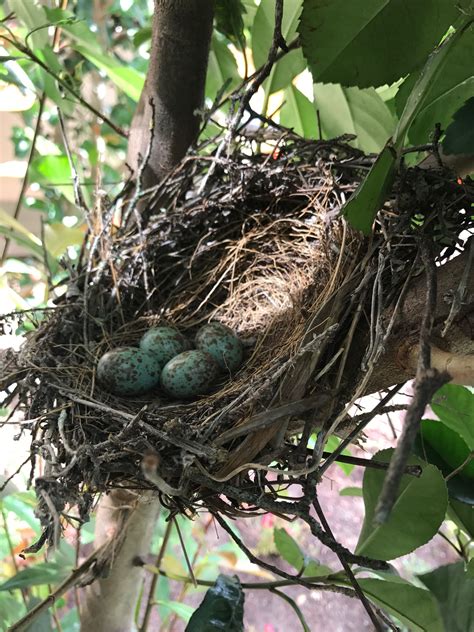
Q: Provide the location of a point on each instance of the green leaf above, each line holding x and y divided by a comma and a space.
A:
76, 29
222, 67
229, 20
298, 113
449, 445
41, 623
454, 406
462, 515
221, 609
351, 491
459, 138
331, 445
413, 606
56, 171
37, 575
32, 16
365, 203
293, 62
13, 229
125, 77
58, 237
23, 504
354, 111
470, 568
181, 609
416, 515
288, 548
442, 97
315, 569
371, 42
454, 592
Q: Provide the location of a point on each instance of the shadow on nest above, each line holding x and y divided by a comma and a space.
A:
256, 241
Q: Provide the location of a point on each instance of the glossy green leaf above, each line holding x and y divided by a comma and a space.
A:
449, 445
293, 62
416, 515
126, 78
462, 514
354, 111
365, 203
221, 609
459, 138
222, 67
229, 18
37, 575
56, 171
454, 591
298, 113
441, 98
371, 42
413, 606
288, 548
32, 16
454, 407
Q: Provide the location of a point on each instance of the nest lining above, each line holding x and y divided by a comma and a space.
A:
259, 248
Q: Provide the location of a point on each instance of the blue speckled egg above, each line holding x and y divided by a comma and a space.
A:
189, 374
128, 371
222, 344
164, 343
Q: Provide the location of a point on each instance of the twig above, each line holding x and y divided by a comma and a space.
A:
466, 461
25, 622
366, 419
347, 568
294, 605
151, 594
460, 293
412, 470
25, 181
185, 553
428, 381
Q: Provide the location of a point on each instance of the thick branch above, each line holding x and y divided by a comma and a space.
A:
175, 83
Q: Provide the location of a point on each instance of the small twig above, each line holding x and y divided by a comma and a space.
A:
347, 568
295, 607
151, 594
69, 582
412, 470
460, 294
366, 419
185, 553
466, 461
25, 181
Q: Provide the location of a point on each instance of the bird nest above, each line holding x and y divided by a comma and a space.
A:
254, 240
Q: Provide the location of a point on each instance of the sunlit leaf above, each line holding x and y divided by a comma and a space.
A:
59, 237
222, 67
37, 575
262, 35
298, 113
181, 609
354, 111
126, 78
32, 16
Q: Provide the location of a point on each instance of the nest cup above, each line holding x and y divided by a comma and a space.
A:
253, 241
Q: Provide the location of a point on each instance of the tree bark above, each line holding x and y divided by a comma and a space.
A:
174, 87
165, 124
109, 603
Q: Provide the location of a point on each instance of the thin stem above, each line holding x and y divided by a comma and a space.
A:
347, 568
452, 544
294, 605
154, 581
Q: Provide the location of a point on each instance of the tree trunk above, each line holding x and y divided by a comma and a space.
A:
167, 116
174, 87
